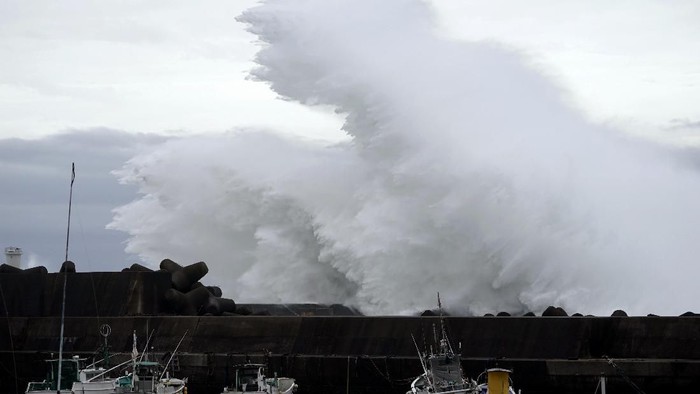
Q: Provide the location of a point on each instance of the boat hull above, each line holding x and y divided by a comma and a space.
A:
104, 386
283, 386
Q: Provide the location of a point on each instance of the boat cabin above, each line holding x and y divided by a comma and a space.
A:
249, 377
69, 374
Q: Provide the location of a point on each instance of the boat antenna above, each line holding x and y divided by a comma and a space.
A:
145, 348
173, 355
444, 342
439, 305
65, 280
70, 203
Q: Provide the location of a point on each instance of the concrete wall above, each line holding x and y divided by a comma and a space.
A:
480, 337
547, 353
33, 294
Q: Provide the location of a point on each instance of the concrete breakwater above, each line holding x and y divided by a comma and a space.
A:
326, 352
547, 353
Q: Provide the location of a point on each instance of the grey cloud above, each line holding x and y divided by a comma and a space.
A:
80, 21
678, 124
142, 23
35, 175
689, 157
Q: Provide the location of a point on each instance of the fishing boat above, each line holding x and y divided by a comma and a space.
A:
76, 378
252, 378
96, 377
141, 376
442, 370
149, 376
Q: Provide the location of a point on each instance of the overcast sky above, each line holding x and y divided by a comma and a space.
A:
86, 81
176, 66
36, 174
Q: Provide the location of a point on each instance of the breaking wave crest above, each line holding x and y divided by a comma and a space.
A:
465, 172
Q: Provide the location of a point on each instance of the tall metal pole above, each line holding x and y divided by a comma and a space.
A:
70, 203
65, 279
602, 385
347, 380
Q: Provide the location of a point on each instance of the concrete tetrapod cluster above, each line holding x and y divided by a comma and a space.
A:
188, 296
67, 266
553, 311
10, 269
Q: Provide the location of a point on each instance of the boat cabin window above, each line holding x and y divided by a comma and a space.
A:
147, 369
248, 379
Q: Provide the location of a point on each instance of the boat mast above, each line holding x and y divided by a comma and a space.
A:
420, 356
173, 354
134, 356
65, 280
445, 345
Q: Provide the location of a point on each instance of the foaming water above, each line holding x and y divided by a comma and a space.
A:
465, 173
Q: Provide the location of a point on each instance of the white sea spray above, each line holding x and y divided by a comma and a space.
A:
465, 173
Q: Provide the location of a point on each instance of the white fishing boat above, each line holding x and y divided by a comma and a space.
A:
94, 379
442, 371
142, 376
97, 376
77, 378
252, 378
149, 376
145, 377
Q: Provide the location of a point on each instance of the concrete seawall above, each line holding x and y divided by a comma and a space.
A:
566, 338
328, 353
547, 353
